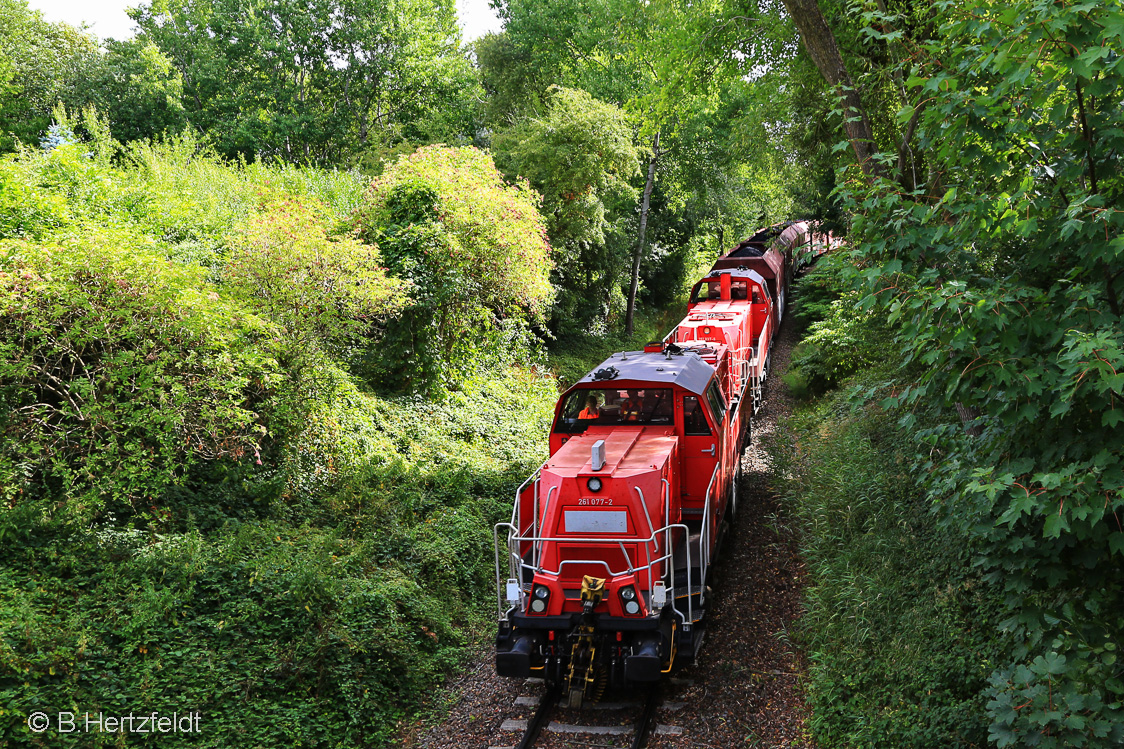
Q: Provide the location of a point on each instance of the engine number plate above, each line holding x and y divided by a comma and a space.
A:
596, 521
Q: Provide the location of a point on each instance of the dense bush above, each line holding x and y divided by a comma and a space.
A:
475, 251
25, 209
322, 292
118, 370
276, 636
322, 622
580, 155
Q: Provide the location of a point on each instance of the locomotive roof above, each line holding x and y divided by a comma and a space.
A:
739, 272
686, 370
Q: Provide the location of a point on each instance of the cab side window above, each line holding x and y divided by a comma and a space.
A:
717, 402
694, 420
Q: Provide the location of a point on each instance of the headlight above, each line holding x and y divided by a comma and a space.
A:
594, 484
628, 599
539, 597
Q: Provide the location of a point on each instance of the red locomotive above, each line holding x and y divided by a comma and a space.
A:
603, 568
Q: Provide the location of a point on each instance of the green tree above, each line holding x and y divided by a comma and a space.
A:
137, 88
315, 82
579, 155
1008, 284
40, 65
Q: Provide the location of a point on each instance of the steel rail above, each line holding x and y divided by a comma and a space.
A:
647, 720
541, 717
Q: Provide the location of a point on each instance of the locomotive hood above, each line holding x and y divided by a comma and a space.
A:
627, 452
624, 497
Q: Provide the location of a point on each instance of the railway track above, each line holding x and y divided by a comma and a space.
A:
634, 720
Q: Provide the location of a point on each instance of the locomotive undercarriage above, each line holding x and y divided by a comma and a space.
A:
587, 653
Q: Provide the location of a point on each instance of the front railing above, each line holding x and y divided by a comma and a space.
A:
515, 568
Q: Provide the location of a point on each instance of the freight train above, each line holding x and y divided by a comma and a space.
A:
603, 569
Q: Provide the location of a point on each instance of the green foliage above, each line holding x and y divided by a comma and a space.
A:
320, 291
579, 155
138, 87
842, 338
846, 341
512, 84
331, 613
317, 82
898, 627
119, 370
25, 209
186, 195
1005, 277
41, 63
475, 252
275, 635
574, 354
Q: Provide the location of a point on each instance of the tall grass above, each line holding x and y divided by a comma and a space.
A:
899, 629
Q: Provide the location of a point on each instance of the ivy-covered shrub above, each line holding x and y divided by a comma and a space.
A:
275, 636
475, 251
319, 619
118, 370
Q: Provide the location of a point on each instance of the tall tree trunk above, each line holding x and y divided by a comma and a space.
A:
824, 51
642, 245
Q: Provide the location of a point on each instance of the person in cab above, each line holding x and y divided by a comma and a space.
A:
591, 411
631, 405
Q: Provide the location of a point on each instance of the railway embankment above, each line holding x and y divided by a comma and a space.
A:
899, 630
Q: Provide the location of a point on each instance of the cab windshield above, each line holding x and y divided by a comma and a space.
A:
609, 406
711, 290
